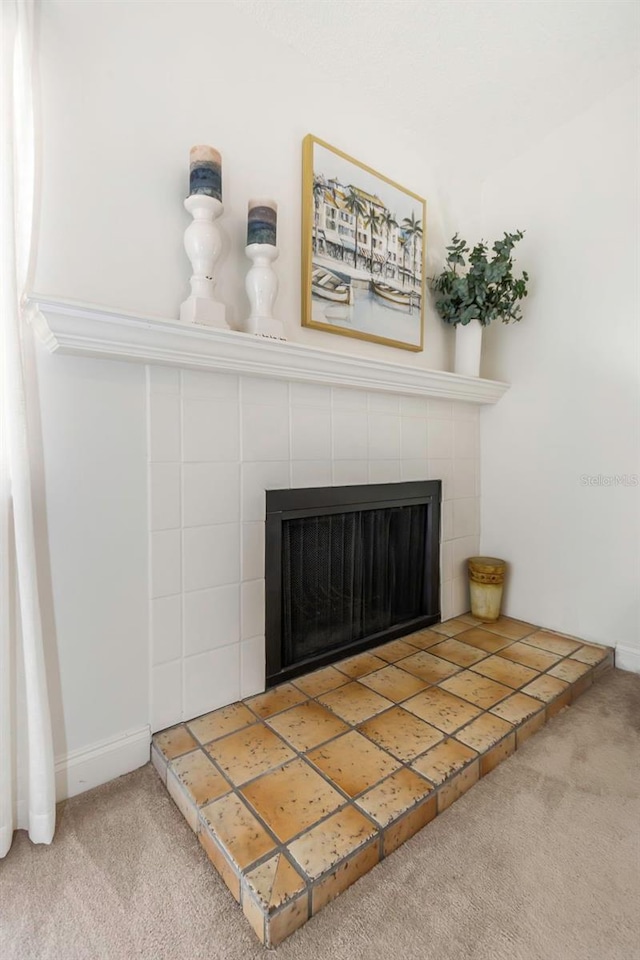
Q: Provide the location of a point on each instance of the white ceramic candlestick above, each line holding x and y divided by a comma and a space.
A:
262, 288
203, 243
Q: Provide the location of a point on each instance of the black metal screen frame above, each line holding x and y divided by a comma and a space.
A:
285, 505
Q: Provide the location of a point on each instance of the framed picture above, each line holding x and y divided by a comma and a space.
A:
363, 272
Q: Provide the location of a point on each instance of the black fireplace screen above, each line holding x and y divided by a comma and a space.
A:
348, 568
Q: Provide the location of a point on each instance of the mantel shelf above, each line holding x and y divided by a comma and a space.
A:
83, 330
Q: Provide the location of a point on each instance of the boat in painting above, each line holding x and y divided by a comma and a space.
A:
327, 285
401, 298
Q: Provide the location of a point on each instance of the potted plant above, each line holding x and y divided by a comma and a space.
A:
470, 296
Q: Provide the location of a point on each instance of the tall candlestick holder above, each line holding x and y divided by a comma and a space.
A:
203, 244
262, 288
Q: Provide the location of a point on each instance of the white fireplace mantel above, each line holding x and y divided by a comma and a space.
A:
84, 330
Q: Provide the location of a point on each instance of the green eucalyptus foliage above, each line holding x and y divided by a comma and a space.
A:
487, 290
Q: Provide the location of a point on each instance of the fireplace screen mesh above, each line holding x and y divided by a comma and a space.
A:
347, 576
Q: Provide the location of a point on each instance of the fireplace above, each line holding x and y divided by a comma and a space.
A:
348, 568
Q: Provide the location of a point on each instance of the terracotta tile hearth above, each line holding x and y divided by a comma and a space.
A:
298, 792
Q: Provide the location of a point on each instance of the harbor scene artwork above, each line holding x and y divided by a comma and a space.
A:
363, 250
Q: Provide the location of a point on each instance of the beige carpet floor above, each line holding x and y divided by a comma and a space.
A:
540, 861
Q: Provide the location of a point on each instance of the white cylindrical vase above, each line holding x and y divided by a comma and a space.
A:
468, 348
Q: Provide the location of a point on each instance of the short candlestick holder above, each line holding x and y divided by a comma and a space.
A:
262, 288
203, 244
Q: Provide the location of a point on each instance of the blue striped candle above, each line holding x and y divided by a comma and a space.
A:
262, 221
205, 172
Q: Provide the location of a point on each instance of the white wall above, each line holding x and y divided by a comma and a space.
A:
573, 409
93, 539
127, 89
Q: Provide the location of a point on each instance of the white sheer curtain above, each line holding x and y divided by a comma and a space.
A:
27, 790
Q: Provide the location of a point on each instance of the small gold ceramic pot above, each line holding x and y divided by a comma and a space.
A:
486, 582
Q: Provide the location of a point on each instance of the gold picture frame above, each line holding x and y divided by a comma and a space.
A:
363, 250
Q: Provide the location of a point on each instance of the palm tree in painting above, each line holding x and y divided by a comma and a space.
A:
318, 192
388, 220
413, 229
355, 205
372, 223
404, 242
331, 195
417, 234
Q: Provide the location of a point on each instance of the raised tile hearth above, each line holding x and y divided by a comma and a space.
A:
299, 791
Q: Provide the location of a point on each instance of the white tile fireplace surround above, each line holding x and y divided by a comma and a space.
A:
230, 416
216, 443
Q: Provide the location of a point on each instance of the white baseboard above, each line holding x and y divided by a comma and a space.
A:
627, 658
91, 766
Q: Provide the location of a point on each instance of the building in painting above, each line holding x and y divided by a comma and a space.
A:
384, 248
